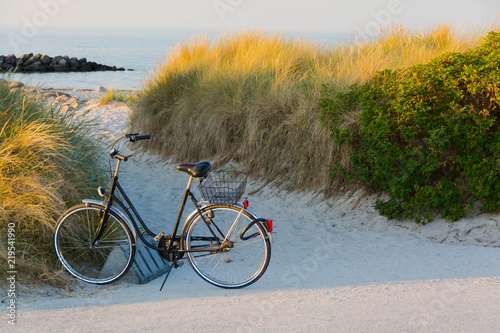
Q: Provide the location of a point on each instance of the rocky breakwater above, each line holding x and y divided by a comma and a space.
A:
41, 63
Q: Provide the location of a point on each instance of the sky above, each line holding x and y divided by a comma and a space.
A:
350, 16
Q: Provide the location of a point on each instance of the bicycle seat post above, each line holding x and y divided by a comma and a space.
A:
181, 209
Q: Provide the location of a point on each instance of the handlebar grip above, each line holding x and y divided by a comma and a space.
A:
136, 137
142, 137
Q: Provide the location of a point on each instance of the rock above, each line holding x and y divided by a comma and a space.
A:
56, 94
74, 63
60, 68
72, 102
7, 66
33, 67
9, 59
92, 102
25, 57
31, 60
15, 84
100, 89
43, 63
66, 99
45, 59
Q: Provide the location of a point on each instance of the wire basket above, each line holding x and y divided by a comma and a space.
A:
223, 186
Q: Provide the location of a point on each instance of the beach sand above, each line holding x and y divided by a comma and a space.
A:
336, 265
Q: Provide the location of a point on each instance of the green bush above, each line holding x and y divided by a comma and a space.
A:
428, 135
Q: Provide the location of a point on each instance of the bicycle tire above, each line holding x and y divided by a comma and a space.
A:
105, 262
239, 264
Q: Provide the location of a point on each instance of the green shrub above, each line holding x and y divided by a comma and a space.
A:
47, 162
427, 135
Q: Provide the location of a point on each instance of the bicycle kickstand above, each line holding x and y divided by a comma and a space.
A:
175, 264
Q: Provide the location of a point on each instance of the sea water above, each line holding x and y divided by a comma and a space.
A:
138, 51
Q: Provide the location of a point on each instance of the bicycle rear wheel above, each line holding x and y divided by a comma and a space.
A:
104, 262
238, 261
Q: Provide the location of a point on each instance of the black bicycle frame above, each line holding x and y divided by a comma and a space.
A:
134, 215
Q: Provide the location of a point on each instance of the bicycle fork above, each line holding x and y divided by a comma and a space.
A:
105, 216
102, 225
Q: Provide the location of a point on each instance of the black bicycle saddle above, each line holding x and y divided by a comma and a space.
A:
196, 170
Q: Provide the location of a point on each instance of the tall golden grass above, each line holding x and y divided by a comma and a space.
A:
253, 98
47, 162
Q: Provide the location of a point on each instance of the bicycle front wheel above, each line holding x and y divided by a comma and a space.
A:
98, 261
233, 260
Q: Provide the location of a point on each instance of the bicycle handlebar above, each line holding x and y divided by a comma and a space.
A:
132, 137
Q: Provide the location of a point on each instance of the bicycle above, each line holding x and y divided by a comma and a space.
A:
226, 243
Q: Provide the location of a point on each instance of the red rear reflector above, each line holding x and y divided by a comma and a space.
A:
245, 204
269, 225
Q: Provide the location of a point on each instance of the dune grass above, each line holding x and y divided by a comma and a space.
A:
118, 96
253, 98
47, 162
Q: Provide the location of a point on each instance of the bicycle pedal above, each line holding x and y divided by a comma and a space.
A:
159, 236
178, 264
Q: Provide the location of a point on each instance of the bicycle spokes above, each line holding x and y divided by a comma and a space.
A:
236, 262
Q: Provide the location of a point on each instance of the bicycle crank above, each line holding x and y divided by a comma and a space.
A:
172, 254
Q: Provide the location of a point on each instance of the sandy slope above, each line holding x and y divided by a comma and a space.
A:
337, 266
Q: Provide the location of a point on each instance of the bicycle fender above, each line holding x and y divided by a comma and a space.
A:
115, 211
262, 221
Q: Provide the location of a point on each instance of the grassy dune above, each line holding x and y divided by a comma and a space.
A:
253, 98
47, 162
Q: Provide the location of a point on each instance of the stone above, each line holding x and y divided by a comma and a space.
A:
15, 84
100, 89
60, 68
30, 61
9, 59
74, 63
25, 57
45, 59
33, 67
